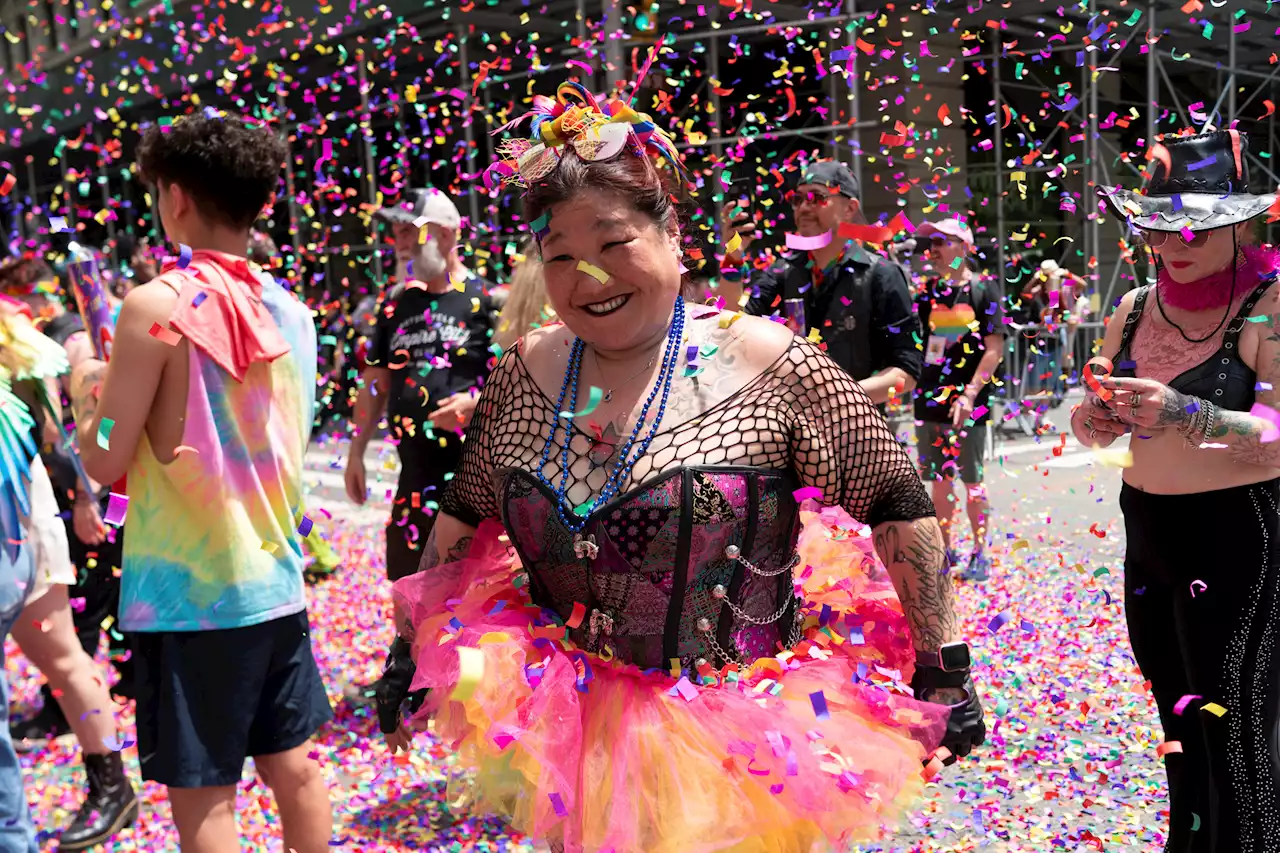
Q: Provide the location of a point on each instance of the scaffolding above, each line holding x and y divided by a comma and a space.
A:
1143, 70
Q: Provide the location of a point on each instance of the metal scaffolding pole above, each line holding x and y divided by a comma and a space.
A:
366, 137
290, 188
1231, 78
615, 64
104, 165
854, 81
1153, 83
468, 130
997, 101
717, 141
1094, 261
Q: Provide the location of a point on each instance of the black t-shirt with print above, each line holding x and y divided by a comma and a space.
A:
954, 322
435, 345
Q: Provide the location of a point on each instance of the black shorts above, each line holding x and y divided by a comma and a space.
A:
945, 451
207, 700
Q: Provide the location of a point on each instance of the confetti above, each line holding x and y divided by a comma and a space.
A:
998, 621
117, 507
579, 613
594, 397
1181, 704
184, 256
305, 526
104, 433
164, 335
802, 243
807, 493
8, 184
1214, 708
594, 271
819, 702
557, 803
470, 673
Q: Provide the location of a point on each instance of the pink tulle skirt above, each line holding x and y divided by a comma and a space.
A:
818, 744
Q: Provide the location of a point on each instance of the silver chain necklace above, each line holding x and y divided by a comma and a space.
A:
608, 394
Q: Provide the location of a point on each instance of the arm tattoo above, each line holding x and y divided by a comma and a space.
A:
430, 559
84, 397
1174, 409
917, 567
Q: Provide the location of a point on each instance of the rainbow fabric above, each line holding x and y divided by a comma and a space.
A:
952, 323
211, 538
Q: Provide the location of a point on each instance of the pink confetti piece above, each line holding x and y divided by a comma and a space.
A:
1271, 431
686, 689
1184, 702
117, 506
164, 335
807, 493
803, 243
1198, 583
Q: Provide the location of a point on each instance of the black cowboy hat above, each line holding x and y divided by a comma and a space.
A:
1197, 182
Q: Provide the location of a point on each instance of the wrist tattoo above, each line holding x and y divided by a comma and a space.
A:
1176, 409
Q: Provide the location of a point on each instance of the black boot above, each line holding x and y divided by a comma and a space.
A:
109, 807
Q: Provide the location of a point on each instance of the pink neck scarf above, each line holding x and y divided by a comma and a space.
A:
1214, 291
220, 310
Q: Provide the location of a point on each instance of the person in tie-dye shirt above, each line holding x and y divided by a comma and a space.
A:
963, 328
206, 406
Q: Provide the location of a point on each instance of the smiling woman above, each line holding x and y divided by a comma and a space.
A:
648, 462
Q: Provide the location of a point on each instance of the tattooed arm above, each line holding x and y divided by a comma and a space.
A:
1247, 438
914, 554
448, 542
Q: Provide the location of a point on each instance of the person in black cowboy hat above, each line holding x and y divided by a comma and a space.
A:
859, 302
1194, 355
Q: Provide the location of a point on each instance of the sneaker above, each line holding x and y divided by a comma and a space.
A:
35, 733
979, 568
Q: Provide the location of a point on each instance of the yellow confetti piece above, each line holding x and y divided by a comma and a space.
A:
728, 320
594, 271
270, 547
1113, 458
470, 673
734, 244
1019, 545
1214, 708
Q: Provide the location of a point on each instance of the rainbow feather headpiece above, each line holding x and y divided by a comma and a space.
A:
575, 119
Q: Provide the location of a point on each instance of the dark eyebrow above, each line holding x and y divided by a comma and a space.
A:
600, 224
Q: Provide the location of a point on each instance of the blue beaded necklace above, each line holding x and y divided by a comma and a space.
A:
575, 518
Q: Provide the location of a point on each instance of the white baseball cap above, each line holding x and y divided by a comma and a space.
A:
422, 206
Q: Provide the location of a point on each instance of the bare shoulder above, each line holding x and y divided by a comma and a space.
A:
756, 342
544, 353
150, 302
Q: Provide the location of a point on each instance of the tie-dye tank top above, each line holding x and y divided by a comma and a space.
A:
211, 539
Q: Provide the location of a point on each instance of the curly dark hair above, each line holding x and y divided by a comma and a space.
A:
228, 167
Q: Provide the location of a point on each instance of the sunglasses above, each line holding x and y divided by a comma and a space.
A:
602, 142
937, 241
795, 199
1156, 239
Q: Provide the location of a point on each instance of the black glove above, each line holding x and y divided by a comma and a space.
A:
393, 687
965, 727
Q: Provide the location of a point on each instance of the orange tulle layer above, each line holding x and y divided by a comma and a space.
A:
791, 754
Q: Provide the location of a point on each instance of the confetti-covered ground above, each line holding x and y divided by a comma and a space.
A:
1070, 763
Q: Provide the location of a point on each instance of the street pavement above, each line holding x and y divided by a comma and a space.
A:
1069, 763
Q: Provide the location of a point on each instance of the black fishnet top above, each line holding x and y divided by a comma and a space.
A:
708, 515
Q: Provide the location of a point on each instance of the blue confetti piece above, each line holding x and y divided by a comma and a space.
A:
184, 256
455, 624
820, 705
856, 638
304, 526
200, 297
998, 622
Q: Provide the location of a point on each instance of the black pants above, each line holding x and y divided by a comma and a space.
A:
425, 468
1202, 594
99, 586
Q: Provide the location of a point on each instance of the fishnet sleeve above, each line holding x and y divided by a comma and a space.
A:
842, 445
470, 495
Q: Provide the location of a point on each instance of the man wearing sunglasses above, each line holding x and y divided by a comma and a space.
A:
857, 301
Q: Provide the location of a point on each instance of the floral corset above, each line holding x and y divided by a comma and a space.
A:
693, 564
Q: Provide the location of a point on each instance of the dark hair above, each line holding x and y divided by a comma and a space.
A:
635, 178
262, 249
228, 168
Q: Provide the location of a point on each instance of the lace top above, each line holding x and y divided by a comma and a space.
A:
693, 558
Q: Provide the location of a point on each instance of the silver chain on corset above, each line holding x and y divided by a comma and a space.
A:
720, 592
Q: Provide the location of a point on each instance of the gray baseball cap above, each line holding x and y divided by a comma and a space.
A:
421, 207
833, 174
